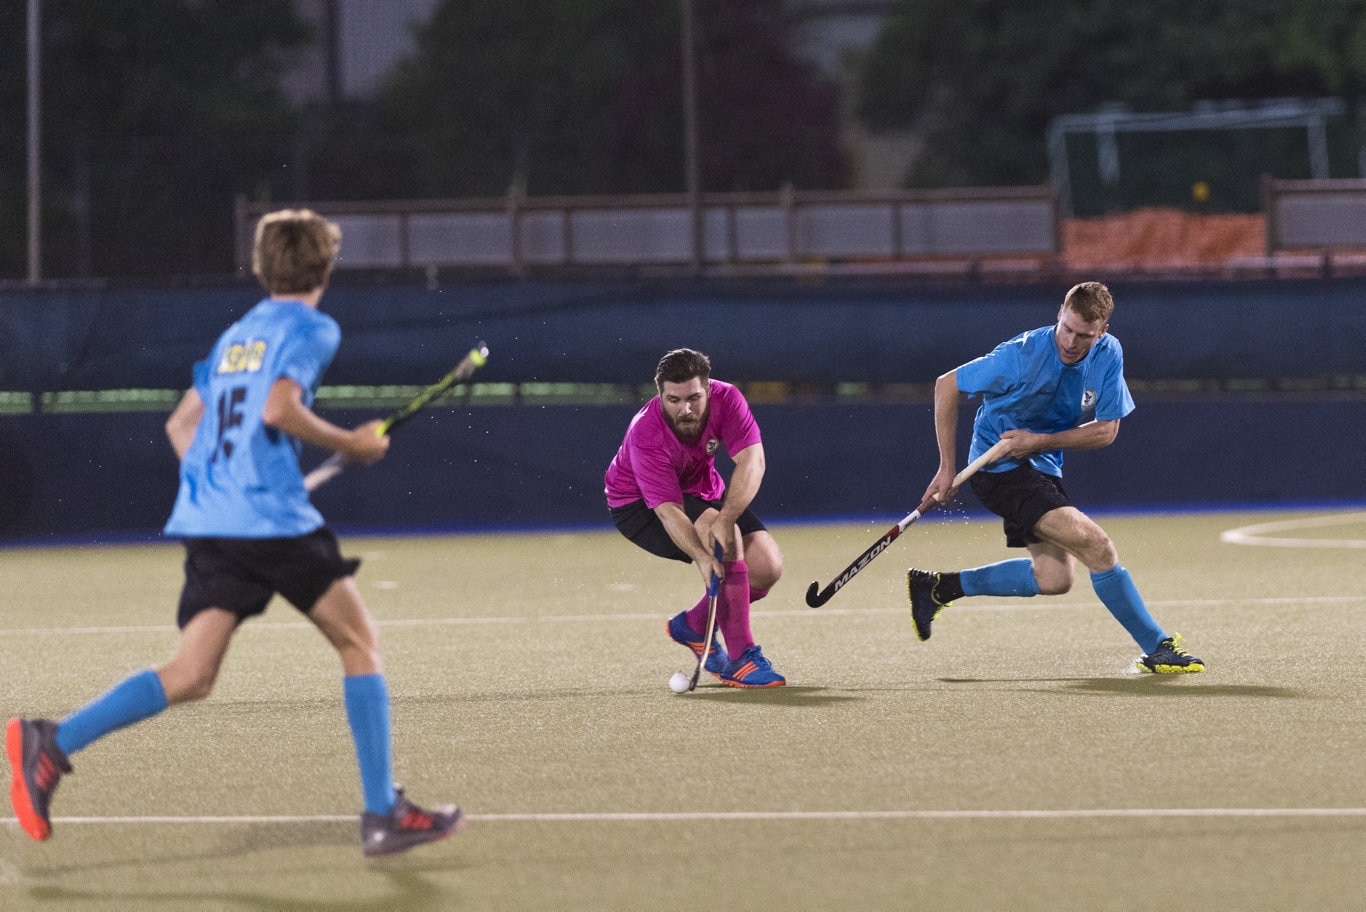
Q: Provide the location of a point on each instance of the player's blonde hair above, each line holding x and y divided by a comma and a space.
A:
294, 251
1091, 301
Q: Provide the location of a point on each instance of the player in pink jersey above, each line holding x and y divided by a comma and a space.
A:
666, 496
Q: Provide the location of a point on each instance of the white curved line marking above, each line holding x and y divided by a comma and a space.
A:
1261, 533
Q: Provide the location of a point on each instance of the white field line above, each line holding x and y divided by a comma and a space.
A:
1260, 533
1019, 605
683, 816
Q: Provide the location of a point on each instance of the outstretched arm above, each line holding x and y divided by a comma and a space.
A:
740, 493
946, 400
684, 534
285, 410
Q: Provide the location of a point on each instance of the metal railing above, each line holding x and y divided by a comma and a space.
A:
774, 229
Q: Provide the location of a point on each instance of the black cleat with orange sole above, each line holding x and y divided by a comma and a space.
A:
37, 764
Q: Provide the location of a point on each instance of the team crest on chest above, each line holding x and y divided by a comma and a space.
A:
1088, 400
712, 446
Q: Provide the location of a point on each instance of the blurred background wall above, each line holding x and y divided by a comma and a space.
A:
1249, 393
1204, 159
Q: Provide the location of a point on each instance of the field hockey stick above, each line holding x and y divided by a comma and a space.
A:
476, 357
713, 589
816, 596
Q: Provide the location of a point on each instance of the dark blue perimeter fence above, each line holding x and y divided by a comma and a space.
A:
1249, 393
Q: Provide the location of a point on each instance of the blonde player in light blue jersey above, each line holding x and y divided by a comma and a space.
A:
250, 532
1048, 390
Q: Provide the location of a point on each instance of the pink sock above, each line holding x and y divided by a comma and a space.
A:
756, 594
697, 615
732, 609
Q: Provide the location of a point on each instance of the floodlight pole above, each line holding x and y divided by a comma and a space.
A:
693, 173
35, 170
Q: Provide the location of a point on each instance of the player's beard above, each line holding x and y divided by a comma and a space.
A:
692, 430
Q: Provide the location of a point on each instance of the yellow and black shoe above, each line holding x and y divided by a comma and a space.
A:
1170, 658
922, 586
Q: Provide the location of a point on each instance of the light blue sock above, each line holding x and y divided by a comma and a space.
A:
1117, 590
133, 699
1008, 577
367, 711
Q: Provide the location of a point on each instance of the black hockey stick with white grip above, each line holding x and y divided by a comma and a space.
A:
816, 596
473, 360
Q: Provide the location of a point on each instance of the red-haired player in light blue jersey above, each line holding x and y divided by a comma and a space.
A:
1051, 389
667, 497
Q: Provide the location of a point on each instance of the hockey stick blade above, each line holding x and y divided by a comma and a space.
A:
816, 596
474, 359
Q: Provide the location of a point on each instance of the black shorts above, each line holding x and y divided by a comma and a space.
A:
241, 574
642, 525
1020, 496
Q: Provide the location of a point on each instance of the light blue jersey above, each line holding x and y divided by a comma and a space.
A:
241, 478
1024, 385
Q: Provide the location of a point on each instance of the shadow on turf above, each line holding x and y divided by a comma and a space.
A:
771, 696
1161, 685
403, 871
411, 891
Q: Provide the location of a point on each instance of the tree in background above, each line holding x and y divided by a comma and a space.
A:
156, 113
584, 96
767, 119
977, 81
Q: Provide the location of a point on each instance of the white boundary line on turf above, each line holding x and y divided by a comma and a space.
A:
637, 617
1257, 534
931, 815
679, 816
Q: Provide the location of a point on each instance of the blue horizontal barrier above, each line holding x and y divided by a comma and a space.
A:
804, 332
526, 467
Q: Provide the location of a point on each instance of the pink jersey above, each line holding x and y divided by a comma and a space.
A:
654, 465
